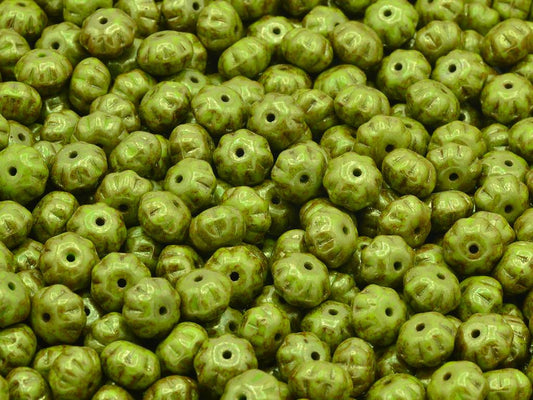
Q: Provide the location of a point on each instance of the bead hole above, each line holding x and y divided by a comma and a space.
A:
447, 376
462, 117
242, 397
389, 148
398, 66
420, 327
345, 230
239, 152
121, 283
73, 154
232, 326
224, 98
452, 68
87, 310
304, 178
417, 230
123, 207
508, 209
475, 333
199, 278
195, 6
397, 266
508, 85
193, 79
12, 171
100, 221
270, 117
441, 276
234, 276
277, 337
453, 176
103, 20
308, 266
509, 163
21, 137
226, 354
357, 172
275, 200
71, 257
55, 45
11, 286
315, 356
162, 310
388, 312
46, 317
179, 179
473, 248
276, 31
387, 13
332, 311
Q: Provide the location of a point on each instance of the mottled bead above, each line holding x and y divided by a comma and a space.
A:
307, 49
13, 46
520, 343
447, 207
271, 29
100, 128
15, 300
176, 261
449, 38
284, 79
219, 26
508, 383
357, 104
350, 38
324, 19
249, 90
26, 383
457, 379
479, 294
165, 53
18, 347
247, 57
174, 385
111, 392
19, 102
357, 357
64, 39
320, 380
181, 15
254, 384
59, 126
506, 43
15, 223
334, 79
24, 17
396, 386
520, 139
133, 85
52, 213
227, 323
145, 13
90, 80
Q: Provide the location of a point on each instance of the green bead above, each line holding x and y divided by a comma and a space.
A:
165, 53
523, 227
220, 359
448, 30
127, 61
298, 348
390, 363
59, 126
107, 329
338, 140
301, 279
181, 15
18, 345
164, 216
6, 259
291, 241
307, 49
343, 288
45, 357
219, 26
129, 365
26, 256
297, 8
19, 102
13, 46
245, 266
520, 343
397, 386
479, 17
357, 44
501, 162
513, 270
176, 261
45, 70
21, 134
484, 339
76, 373
145, 13
447, 207
515, 201
479, 294
216, 227
57, 315
205, 294
285, 79
111, 392
323, 20
139, 152
357, 104
507, 98
519, 141
334, 79
247, 57
117, 106
506, 43
319, 109
249, 90
471, 41
279, 120
64, 39
331, 321
190, 141
227, 323
133, 85
177, 351
264, 326
90, 80
15, 223
76, 11
180, 386
47, 150
523, 68
320, 380
462, 379
508, 383
26, 383
443, 10
100, 128
272, 29
51, 214
253, 384
378, 313
24, 17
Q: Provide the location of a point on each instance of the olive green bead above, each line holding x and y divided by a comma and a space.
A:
139, 152
51, 214
508, 383
176, 261
249, 90
319, 109
100, 128
513, 270
443, 10
297, 348
64, 39
272, 296
205, 294
484, 339
151, 307
243, 158
76, 11
331, 321
15, 223
59, 126
298, 172
323, 19
107, 329
301, 279
13, 47
193, 79
479, 17
264, 326
394, 21
122, 108
111, 392
57, 315
515, 201
501, 162
19, 102
471, 41
285, 79
145, 13
90, 80
68, 259
513, 311
507, 98
307, 49
129, 365
6, 259
519, 140
47, 150
24, 174
291, 241
320, 380
448, 30
18, 346
520, 343
245, 266
272, 29
126, 62
45, 70
357, 357
463, 72
390, 363
462, 379
479, 294
343, 288
297, 8
278, 119
397, 386
334, 79
177, 351
399, 70
506, 43
248, 57
447, 207
26, 383
338, 140
190, 141
180, 386
523, 68
357, 104
255, 384
132, 85
164, 216
522, 226
21, 134
76, 373
227, 323
26, 256
24, 17
350, 38
219, 26
32, 279
45, 357
181, 15
165, 53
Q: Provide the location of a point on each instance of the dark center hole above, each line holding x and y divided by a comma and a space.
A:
198, 278
345, 230
447, 376
103, 20
87, 310
21, 4
71, 257
224, 98
11, 286
398, 66
357, 172
12, 171
508, 85
509, 163
462, 117
193, 79
277, 337
100, 221
226, 354
242, 397
55, 45
420, 327
417, 230
452, 68
234, 276
21, 137
508, 208
121, 283
475, 333
239, 152
179, 179
397, 266
441, 276
232, 326
46, 317
304, 178
123, 207
270, 117
453, 176
162, 310
387, 13
275, 200
195, 6
308, 266
276, 31
389, 148
315, 356
332, 311
73, 154
473, 248
388, 312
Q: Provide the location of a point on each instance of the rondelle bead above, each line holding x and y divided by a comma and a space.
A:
219, 26
254, 384
15, 305
457, 378
307, 49
90, 80
24, 17
19, 102
247, 57
64, 39
357, 104
15, 223
25, 382
350, 38
145, 13
320, 380
174, 385
334, 79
